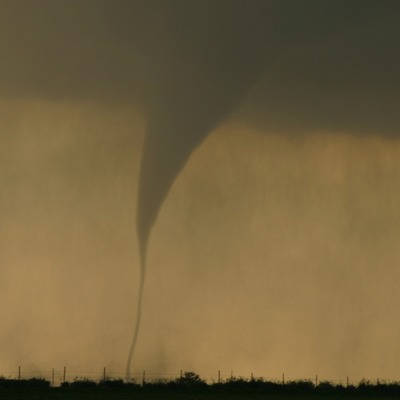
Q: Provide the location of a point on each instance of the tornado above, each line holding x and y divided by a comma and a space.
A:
177, 124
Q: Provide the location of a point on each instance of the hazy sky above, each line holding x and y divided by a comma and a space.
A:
256, 140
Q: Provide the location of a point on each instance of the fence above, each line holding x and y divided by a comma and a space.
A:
58, 376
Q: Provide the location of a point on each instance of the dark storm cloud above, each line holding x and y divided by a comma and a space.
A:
106, 49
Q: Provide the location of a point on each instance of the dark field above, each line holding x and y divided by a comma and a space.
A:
191, 387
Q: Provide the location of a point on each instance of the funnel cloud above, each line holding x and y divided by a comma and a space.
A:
278, 83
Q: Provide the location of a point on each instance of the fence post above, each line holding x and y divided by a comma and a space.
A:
180, 375
64, 374
19, 372
283, 379
219, 376
104, 373
347, 381
144, 378
316, 380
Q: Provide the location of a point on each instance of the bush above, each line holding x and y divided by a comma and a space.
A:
190, 378
83, 383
